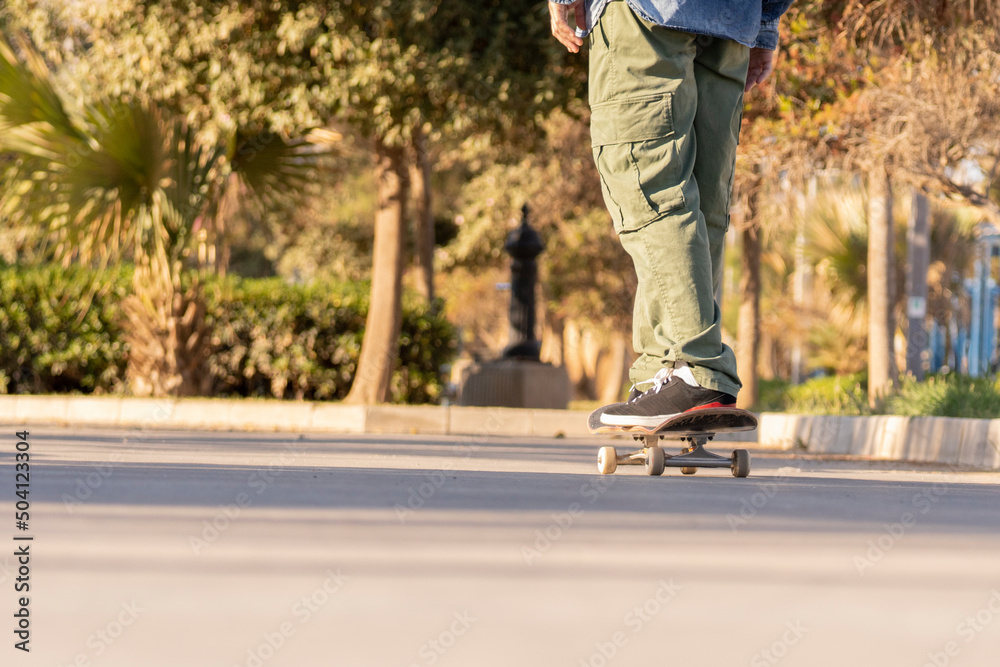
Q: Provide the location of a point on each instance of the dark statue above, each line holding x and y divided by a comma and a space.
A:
523, 245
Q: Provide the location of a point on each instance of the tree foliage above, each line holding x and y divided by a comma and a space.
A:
251, 65
862, 87
386, 69
896, 83
108, 180
585, 274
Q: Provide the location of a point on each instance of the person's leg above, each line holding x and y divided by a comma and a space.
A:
645, 105
720, 69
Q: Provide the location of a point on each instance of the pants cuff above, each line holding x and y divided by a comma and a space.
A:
706, 377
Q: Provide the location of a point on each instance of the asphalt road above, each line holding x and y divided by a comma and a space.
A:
225, 550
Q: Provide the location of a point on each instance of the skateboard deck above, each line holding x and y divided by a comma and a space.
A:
707, 421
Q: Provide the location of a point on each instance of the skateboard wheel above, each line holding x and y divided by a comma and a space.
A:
607, 460
688, 470
741, 463
654, 461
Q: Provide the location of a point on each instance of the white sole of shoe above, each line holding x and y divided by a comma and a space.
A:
631, 420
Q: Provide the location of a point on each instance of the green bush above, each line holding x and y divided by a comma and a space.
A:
828, 395
427, 343
771, 395
49, 343
937, 396
270, 339
291, 341
950, 395
276, 340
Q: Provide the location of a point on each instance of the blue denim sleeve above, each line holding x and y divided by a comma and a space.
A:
767, 36
771, 11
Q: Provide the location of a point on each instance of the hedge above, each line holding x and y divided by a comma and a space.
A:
49, 343
951, 395
269, 338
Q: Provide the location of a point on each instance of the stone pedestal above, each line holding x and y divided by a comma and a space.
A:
514, 383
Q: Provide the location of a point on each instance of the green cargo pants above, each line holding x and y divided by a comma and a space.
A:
665, 120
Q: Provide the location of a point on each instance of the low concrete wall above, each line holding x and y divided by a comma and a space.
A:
959, 442
288, 416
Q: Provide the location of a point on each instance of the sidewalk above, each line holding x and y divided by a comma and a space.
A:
969, 443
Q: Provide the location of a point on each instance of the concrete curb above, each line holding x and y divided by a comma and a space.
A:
286, 416
959, 442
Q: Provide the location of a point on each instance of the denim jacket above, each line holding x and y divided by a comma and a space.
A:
750, 22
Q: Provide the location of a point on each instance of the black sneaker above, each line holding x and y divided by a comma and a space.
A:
594, 420
674, 391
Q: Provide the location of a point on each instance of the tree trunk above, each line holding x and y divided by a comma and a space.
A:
228, 206
613, 371
380, 346
748, 326
919, 250
424, 219
553, 329
573, 359
881, 366
804, 202
168, 338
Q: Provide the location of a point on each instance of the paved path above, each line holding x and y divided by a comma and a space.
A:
221, 549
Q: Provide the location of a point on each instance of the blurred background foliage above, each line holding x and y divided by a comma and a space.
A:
482, 96
47, 344
940, 395
269, 338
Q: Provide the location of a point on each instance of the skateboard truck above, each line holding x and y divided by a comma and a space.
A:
655, 460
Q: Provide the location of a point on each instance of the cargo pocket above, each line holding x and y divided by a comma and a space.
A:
637, 158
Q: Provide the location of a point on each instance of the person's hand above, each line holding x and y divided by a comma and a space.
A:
761, 66
560, 24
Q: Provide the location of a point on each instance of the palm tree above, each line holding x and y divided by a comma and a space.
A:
126, 180
837, 248
836, 245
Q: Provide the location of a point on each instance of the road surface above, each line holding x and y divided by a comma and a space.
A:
157, 548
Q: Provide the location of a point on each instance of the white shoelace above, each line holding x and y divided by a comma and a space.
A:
661, 378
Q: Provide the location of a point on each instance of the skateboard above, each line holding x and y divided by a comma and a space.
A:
694, 428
